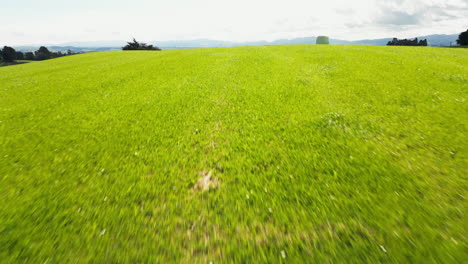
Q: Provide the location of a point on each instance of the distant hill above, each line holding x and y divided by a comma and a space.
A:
96, 44
91, 46
65, 48
433, 40
370, 42
441, 40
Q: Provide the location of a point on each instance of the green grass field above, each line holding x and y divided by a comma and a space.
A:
316, 154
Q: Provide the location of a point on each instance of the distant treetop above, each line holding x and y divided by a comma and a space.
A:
323, 40
135, 45
42, 53
463, 38
8, 54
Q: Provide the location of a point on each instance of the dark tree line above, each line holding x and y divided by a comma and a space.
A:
135, 45
407, 42
9, 54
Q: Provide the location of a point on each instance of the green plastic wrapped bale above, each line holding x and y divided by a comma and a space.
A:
323, 40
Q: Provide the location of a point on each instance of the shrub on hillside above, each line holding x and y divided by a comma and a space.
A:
135, 45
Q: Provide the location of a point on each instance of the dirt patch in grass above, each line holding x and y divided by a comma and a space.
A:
206, 182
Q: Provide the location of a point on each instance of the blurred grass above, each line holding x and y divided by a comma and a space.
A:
323, 153
2, 63
24, 61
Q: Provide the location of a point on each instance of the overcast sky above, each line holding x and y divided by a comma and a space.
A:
59, 21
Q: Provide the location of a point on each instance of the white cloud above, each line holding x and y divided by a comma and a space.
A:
54, 21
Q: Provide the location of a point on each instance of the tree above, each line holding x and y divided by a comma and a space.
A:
135, 45
57, 54
29, 56
8, 54
42, 53
323, 40
463, 38
19, 55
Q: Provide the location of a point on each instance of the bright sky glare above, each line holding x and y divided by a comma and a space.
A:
25, 22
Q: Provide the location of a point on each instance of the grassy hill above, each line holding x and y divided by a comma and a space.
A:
309, 154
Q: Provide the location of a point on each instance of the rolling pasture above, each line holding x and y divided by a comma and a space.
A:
268, 154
